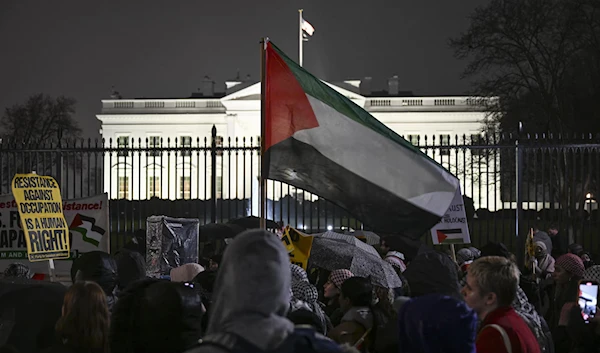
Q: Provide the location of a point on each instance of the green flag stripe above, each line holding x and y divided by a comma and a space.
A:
316, 88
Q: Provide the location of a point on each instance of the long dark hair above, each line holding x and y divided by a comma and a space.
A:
359, 291
84, 325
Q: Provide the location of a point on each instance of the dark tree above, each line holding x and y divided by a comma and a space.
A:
32, 131
541, 58
40, 121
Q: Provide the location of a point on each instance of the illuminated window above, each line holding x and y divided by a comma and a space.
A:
444, 141
123, 143
185, 187
153, 186
123, 187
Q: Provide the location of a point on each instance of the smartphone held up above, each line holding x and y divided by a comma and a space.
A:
588, 299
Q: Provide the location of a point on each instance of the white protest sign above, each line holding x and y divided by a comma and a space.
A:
452, 228
88, 224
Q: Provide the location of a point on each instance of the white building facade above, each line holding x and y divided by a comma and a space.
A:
187, 123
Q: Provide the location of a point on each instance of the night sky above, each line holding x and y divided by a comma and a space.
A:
159, 48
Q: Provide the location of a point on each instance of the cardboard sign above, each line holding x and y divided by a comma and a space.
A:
452, 228
88, 231
298, 245
40, 207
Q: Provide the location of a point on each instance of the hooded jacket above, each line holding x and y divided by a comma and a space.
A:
252, 292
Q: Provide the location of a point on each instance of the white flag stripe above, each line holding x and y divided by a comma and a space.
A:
90, 233
307, 27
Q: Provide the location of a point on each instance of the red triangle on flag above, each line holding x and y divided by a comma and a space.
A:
441, 236
287, 109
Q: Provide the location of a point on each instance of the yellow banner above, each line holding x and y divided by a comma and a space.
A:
298, 245
40, 208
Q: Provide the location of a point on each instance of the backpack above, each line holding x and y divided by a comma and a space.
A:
542, 334
302, 340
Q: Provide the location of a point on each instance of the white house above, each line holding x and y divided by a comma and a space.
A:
187, 122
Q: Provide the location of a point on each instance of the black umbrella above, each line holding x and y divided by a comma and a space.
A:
253, 222
31, 309
219, 231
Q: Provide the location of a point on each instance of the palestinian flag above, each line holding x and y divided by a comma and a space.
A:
318, 140
87, 227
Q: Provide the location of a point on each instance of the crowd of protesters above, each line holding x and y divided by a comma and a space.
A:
252, 299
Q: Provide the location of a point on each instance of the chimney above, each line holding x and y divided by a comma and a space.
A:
365, 86
393, 86
208, 87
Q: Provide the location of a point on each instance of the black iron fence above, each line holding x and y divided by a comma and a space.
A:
553, 178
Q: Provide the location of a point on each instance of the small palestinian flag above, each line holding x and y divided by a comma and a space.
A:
87, 227
318, 140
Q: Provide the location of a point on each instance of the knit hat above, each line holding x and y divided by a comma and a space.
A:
396, 259
17, 270
396, 263
592, 273
476, 252
186, 273
298, 273
397, 254
572, 264
464, 255
337, 277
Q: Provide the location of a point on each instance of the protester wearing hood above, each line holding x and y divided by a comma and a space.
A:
542, 236
157, 316
252, 296
307, 294
306, 297
450, 321
544, 263
298, 273
99, 267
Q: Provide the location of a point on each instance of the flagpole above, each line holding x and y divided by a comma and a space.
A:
263, 94
300, 38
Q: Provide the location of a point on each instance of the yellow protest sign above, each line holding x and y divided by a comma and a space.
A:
298, 245
287, 240
40, 208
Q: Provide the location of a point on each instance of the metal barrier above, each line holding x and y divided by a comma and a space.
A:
543, 178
